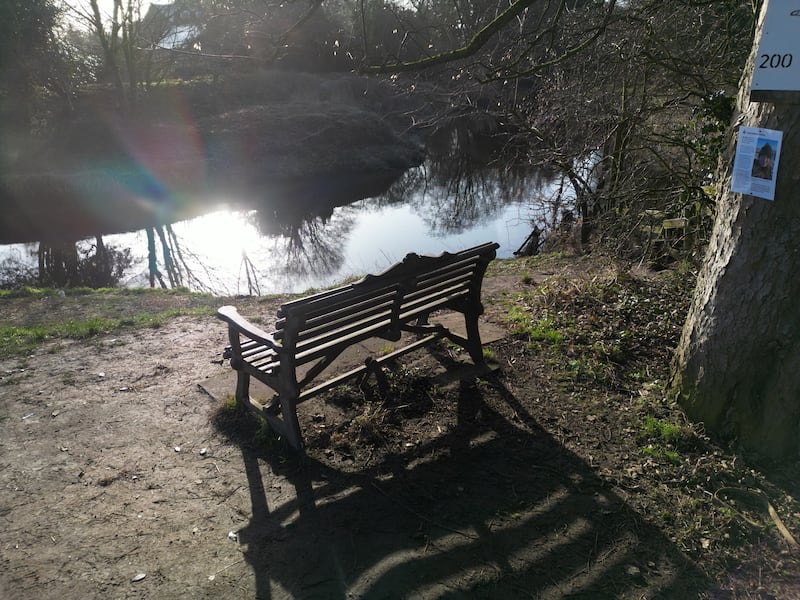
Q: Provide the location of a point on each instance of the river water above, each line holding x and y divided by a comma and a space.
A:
232, 250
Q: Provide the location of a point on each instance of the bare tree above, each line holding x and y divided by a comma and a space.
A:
627, 100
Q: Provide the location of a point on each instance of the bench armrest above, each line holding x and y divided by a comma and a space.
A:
237, 322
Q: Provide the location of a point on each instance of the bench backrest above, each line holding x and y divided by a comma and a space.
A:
378, 305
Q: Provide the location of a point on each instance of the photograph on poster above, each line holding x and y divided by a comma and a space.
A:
763, 162
755, 166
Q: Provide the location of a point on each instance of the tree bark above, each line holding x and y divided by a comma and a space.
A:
737, 367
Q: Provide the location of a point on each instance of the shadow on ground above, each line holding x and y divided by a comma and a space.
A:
493, 508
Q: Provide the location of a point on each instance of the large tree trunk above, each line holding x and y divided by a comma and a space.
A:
737, 368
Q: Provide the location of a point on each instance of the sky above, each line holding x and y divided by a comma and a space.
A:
107, 6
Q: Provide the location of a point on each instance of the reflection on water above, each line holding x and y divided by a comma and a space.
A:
263, 251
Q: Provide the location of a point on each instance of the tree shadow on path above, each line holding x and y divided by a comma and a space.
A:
490, 509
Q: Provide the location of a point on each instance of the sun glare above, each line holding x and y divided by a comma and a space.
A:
224, 234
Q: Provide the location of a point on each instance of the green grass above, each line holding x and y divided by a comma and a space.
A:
32, 292
543, 331
15, 340
26, 292
230, 404
665, 432
535, 330
661, 453
267, 439
588, 368
663, 440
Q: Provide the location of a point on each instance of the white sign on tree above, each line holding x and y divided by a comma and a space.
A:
777, 67
755, 167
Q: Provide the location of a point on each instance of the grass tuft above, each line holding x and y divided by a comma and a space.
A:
20, 340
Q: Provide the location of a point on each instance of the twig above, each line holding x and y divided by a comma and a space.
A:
213, 575
765, 505
228, 496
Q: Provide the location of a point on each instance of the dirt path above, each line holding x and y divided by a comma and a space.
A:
120, 477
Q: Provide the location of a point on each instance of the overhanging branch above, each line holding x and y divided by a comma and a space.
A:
476, 43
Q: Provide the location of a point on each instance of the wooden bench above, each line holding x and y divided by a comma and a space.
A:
315, 330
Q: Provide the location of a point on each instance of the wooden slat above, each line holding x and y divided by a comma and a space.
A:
413, 265
448, 284
353, 335
429, 279
353, 332
288, 308
467, 264
342, 318
353, 302
248, 344
344, 328
370, 323
340, 297
344, 304
394, 275
435, 298
342, 321
412, 312
265, 363
254, 351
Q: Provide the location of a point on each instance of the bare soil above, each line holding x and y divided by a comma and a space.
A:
564, 472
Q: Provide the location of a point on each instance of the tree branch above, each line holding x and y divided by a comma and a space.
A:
476, 43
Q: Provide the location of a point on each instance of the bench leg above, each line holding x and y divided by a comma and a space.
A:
372, 366
475, 348
291, 423
242, 389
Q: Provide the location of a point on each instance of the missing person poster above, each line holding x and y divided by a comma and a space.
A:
755, 167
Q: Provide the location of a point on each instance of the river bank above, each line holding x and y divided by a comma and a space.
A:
565, 472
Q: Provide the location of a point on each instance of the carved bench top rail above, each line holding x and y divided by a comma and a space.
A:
413, 268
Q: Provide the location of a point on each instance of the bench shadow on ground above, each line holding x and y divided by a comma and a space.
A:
496, 507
